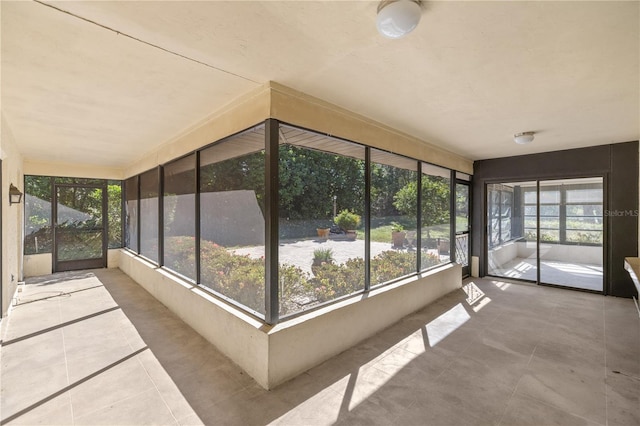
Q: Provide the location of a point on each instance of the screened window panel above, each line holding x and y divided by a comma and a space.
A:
149, 191
179, 213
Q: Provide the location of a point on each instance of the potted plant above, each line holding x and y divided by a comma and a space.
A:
348, 222
398, 234
322, 256
323, 232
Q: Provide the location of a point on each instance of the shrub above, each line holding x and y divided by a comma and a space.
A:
392, 264
332, 281
396, 227
347, 220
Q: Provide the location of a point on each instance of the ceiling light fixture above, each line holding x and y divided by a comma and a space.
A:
397, 18
523, 138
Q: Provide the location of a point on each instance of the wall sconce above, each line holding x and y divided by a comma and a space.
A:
15, 196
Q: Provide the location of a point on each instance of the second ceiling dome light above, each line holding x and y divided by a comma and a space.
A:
397, 18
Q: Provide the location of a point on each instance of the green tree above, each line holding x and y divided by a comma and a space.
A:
435, 200
309, 180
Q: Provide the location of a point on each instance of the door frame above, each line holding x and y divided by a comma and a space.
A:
72, 265
466, 270
605, 228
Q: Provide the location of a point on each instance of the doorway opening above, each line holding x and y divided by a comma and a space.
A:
549, 232
80, 231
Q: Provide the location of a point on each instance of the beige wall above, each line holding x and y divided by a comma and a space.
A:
272, 355
297, 108
12, 216
36, 265
274, 100
241, 114
41, 168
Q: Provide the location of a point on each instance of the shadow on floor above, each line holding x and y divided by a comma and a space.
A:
219, 391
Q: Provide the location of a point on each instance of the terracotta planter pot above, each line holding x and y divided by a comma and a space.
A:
398, 238
323, 232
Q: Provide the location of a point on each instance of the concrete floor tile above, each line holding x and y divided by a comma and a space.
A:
169, 388
81, 364
623, 399
436, 409
549, 341
147, 408
34, 352
576, 391
248, 407
122, 381
192, 420
586, 357
56, 411
526, 411
488, 363
322, 408
428, 365
24, 388
484, 396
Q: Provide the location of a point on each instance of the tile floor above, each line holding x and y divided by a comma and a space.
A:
576, 275
94, 348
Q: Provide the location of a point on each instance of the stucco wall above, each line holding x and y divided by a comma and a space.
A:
299, 344
274, 100
238, 336
12, 216
36, 265
272, 355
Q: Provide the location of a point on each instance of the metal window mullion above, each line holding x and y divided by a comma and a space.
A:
367, 218
538, 232
272, 186
452, 215
54, 224
105, 223
160, 216
419, 219
138, 219
562, 238
197, 218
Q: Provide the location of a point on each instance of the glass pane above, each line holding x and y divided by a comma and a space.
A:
232, 223
462, 225
584, 210
530, 197
79, 227
37, 214
549, 196
179, 216
585, 195
462, 208
571, 254
149, 189
321, 206
131, 206
549, 210
514, 255
394, 213
436, 213
114, 211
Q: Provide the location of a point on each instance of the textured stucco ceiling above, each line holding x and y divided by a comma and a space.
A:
105, 82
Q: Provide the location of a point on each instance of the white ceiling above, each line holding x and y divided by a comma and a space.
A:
106, 82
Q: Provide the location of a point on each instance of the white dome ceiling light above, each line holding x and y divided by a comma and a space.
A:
397, 18
523, 138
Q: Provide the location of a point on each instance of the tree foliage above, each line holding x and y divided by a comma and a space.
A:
435, 200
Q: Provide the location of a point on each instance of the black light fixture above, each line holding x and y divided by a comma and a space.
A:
15, 196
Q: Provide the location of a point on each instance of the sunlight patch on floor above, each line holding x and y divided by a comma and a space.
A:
447, 323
